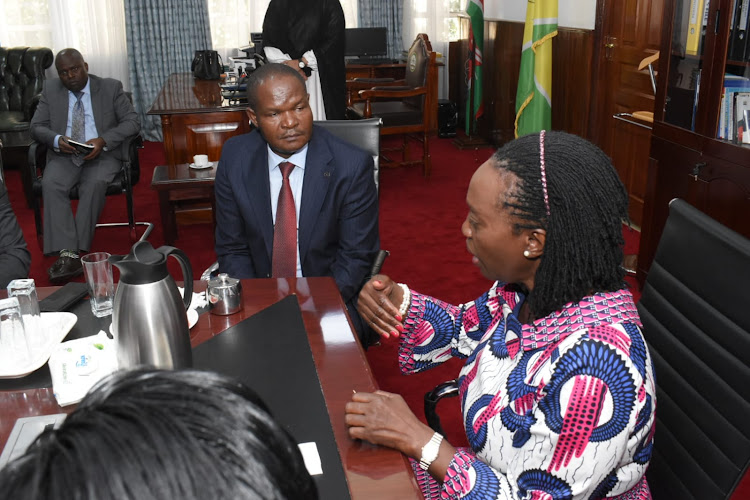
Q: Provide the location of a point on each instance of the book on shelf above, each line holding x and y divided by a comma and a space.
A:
695, 28
736, 49
706, 5
733, 84
695, 100
744, 27
738, 34
742, 113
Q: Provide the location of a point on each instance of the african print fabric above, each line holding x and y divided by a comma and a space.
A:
562, 408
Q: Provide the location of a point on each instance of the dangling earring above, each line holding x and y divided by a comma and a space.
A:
526, 254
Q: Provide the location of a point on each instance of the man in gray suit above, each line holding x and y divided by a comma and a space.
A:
86, 109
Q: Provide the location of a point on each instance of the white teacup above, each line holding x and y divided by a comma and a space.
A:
200, 160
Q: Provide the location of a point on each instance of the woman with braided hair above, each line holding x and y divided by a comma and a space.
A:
558, 392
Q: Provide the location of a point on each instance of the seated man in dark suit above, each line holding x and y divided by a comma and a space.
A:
292, 199
86, 109
15, 258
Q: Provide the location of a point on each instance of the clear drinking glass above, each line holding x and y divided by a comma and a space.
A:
25, 291
98, 272
14, 351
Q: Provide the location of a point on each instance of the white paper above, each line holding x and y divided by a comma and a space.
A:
199, 298
78, 364
312, 458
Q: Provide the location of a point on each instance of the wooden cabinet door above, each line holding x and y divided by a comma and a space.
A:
631, 31
705, 177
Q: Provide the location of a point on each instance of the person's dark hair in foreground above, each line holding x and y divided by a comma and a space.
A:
153, 434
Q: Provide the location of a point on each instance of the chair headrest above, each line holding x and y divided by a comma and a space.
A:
416, 64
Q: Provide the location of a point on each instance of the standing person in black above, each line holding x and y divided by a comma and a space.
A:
309, 35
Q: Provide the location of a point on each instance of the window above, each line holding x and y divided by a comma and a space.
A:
58, 24
437, 18
25, 24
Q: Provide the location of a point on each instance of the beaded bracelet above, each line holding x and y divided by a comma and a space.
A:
406, 301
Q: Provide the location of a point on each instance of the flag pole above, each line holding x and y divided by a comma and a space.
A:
471, 141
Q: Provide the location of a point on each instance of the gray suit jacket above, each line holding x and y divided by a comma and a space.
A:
114, 115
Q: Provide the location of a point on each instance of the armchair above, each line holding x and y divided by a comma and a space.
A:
22, 70
21, 82
122, 184
406, 106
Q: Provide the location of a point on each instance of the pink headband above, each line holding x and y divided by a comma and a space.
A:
544, 170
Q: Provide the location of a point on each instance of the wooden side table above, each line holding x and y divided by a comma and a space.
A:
186, 196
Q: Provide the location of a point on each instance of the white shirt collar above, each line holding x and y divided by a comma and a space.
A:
299, 158
86, 88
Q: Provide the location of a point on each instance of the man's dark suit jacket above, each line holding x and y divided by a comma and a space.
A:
338, 226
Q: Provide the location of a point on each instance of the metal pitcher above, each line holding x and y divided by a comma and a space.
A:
149, 319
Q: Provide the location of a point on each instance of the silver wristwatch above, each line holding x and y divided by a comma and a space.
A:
430, 451
302, 64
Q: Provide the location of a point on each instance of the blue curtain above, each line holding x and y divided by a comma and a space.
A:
162, 37
388, 13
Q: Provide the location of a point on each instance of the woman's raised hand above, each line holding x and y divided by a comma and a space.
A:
378, 305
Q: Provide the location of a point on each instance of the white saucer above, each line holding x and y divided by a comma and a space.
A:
192, 315
208, 165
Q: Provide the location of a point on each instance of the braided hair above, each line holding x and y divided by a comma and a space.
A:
583, 221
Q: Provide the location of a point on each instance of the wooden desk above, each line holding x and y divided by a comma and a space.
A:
195, 119
186, 195
397, 71
372, 472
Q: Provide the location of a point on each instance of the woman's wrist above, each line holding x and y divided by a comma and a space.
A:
420, 438
405, 300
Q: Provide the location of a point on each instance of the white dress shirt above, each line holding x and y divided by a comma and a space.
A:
295, 181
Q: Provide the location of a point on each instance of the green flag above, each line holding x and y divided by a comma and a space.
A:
474, 107
534, 95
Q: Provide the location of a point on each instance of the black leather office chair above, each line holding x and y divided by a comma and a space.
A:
694, 309
122, 184
365, 134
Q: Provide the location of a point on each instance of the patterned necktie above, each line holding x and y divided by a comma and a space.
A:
78, 127
285, 231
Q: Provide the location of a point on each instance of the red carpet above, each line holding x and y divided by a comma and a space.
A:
420, 221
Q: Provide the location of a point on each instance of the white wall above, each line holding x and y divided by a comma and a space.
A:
571, 13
